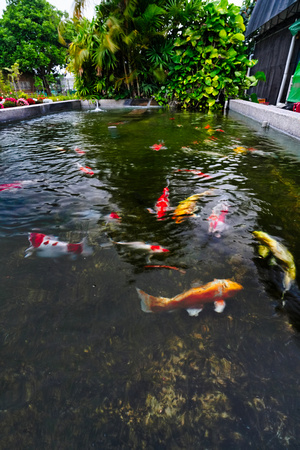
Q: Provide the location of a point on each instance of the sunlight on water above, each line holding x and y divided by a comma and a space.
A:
83, 366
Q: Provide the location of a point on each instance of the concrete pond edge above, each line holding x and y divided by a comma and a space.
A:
268, 115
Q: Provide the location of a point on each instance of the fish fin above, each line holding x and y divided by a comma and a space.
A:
151, 211
145, 301
287, 282
219, 306
28, 252
193, 312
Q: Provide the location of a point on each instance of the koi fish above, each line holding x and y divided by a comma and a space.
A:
10, 186
115, 216
221, 131
50, 247
158, 147
78, 151
137, 245
17, 185
207, 127
193, 299
162, 205
195, 172
162, 266
240, 150
281, 253
87, 170
217, 219
188, 206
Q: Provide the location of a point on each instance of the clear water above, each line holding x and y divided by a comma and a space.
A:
82, 366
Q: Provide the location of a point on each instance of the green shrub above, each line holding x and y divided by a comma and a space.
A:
9, 104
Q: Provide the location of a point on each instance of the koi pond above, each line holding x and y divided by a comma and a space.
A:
84, 363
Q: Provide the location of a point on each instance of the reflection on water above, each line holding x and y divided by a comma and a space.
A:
82, 366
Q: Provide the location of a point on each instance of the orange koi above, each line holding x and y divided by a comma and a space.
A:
207, 127
161, 266
193, 299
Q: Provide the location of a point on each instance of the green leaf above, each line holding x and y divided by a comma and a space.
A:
223, 34
237, 37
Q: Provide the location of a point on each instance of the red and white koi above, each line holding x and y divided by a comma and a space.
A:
12, 186
158, 147
193, 299
78, 151
137, 245
217, 219
49, 247
162, 205
194, 172
114, 216
87, 170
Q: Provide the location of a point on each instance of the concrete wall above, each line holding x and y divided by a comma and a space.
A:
280, 119
17, 113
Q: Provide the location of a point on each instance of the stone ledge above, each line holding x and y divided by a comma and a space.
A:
280, 119
17, 113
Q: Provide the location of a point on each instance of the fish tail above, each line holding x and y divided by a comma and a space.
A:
146, 300
86, 249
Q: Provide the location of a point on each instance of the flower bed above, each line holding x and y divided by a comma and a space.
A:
18, 99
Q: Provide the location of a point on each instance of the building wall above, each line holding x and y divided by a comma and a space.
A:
272, 52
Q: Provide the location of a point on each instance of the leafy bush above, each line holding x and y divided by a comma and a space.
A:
210, 62
9, 104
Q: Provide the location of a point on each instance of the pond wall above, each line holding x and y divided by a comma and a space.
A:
269, 116
28, 112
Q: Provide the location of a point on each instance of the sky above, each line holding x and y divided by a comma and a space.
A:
67, 5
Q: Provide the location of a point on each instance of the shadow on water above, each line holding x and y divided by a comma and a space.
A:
82, 366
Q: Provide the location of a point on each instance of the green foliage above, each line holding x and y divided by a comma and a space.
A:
28, 36
191, 52
210, 62
9, 104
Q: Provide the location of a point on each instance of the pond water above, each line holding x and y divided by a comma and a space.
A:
82, 366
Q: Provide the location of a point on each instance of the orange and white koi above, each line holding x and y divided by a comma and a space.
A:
49, 247
188, 206
162, 205
217, 219
137, 245
193, 299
